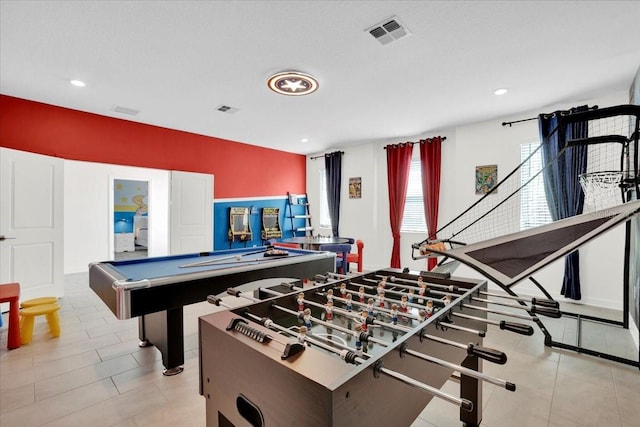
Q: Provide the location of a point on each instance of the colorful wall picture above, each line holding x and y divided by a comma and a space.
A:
355, 188
486, 178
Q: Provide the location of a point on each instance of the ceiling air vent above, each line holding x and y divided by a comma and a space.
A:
125, 110
389, 30
226, 109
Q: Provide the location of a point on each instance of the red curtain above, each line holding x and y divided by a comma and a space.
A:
430, 165
398, 165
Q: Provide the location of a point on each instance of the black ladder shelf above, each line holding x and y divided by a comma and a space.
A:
298, 213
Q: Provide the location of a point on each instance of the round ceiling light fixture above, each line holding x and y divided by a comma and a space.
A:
292, 83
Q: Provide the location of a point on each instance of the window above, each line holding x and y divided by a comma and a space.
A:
325, 219
534, 210
413, 219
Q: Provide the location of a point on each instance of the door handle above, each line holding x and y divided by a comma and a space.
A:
2, 237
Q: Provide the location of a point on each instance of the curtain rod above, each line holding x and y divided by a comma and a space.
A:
443, 138
546, 116
325, 154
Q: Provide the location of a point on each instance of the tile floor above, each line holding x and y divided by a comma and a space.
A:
95, 374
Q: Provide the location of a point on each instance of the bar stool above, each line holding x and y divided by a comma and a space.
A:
10, 292
27, 320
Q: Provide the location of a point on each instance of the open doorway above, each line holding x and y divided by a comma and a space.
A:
130, 219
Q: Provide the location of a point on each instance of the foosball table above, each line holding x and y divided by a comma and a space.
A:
371, 349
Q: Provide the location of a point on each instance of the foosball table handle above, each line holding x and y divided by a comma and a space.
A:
546, 311
545, 303
518, 328
486, 353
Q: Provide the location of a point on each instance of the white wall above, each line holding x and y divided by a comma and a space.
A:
88, 211
465, 147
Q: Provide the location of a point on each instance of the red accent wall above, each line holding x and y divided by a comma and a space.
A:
240, 170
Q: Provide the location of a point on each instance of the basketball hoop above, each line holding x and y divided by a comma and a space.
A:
601, 189
593, 182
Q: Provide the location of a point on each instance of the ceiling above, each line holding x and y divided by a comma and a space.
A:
176, 62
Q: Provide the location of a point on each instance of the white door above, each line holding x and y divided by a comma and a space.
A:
191, 212
31, 219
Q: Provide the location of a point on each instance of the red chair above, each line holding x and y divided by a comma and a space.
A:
356, 257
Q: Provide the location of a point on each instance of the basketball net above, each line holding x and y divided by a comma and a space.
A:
601, 190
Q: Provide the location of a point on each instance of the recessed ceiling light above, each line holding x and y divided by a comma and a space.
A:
304, 140
78, 83
501, 91
292, 83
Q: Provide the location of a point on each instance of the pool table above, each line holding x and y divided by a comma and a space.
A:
156, 289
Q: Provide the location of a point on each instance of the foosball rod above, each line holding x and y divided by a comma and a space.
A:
464, 404
329, 325
445, 324
217, 301
544, 311
448, 288
391, 291
465, 371
353, 316
486, 353
378, 308
409, 315
504, 313
344, 313
394, 279
518, 328
270, 324
534, 301
415, 288
434, 300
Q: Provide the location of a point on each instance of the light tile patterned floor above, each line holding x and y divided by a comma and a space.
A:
95, 374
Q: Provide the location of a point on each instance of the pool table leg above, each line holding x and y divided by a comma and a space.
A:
165, 330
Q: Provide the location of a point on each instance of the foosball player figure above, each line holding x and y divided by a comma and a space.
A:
343, 290
411, 295
363, 320
404, 303
357, 330
380, 288
370, 311
330, 295
380, 300
422, 315
329, 311
429, 309
300, 301
423, 289
394, 314
306, 318
361, 294
302, 334
349, 302
447, 299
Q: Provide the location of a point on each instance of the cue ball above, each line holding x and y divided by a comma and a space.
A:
238, 257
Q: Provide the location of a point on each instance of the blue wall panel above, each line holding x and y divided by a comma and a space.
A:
221, 221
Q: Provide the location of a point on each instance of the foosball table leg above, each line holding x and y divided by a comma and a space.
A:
471, 389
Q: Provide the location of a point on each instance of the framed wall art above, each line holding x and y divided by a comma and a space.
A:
486, 178
355, 188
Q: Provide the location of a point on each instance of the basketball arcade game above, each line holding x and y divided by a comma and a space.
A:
509, 256
371, 349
